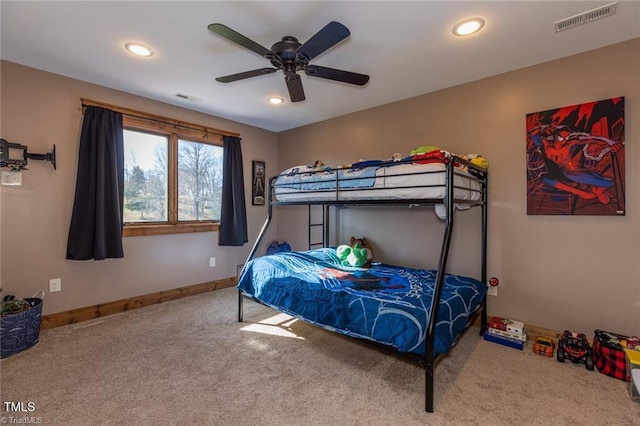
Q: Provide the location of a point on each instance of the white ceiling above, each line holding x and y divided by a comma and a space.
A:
406, 47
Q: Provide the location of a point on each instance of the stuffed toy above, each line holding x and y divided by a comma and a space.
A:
424, 149
364, 243
319, 166
478, 160
343, 251
352, 256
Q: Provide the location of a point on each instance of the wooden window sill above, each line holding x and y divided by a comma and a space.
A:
165, 229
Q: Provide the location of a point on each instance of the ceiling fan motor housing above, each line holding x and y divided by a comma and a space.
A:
286, 48
286, 55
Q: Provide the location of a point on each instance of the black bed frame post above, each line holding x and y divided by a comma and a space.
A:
257, 244
485, 211
325, 210
429, 357
309, 227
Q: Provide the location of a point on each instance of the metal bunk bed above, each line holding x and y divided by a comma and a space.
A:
452, 172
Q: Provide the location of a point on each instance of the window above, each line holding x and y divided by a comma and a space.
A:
199, 181
146, 177
173, 178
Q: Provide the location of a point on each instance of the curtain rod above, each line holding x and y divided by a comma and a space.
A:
157, 118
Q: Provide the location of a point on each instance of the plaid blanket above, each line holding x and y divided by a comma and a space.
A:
608, 354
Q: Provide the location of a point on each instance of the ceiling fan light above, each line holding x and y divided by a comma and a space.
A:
468, 27
275, 100
139, 49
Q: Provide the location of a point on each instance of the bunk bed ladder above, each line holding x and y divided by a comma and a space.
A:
322, 223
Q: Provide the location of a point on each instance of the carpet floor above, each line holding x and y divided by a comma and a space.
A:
189, 361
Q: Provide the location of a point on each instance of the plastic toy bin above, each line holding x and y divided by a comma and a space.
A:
20, 331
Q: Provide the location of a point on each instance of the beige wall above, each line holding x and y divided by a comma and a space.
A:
39, 109
578, 273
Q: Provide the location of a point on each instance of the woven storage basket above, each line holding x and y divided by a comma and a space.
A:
21, 331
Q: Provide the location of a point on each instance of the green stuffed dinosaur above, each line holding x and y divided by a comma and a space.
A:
352, 256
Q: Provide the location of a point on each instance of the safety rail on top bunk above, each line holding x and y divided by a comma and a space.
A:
341, 187
452, 170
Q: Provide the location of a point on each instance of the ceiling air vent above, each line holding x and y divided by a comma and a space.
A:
586, 17
187, 97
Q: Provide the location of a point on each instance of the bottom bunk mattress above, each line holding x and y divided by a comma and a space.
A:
384, 303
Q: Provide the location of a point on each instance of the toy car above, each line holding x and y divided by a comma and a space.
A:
543, 346
575, 347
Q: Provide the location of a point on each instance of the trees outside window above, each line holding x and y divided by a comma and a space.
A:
146, 177
199, 181
173, 181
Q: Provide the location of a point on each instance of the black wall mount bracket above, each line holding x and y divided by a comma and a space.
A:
15, 155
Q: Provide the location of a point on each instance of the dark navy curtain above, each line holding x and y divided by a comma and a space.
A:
96, 221
233, 217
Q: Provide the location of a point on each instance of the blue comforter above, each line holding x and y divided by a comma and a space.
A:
385, 303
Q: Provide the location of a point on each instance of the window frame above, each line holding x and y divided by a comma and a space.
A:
174, 132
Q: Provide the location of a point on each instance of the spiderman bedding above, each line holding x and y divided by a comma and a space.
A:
385, 303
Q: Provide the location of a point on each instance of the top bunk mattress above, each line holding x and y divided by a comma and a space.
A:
379, 181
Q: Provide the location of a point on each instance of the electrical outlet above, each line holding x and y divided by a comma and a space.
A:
55, 284
212, 262
492, 290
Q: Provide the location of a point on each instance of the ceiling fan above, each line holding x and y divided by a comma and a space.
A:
290, 56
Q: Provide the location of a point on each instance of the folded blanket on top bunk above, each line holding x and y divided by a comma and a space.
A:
387, 304
419, 177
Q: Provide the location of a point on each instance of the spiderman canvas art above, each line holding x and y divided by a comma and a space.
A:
575, 160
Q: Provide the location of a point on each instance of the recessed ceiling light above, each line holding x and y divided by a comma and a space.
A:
138, 49
468, 27
275, 100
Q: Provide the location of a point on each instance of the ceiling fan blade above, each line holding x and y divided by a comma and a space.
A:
294, 84
337, 75
333, 33
246, 74
238, 38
